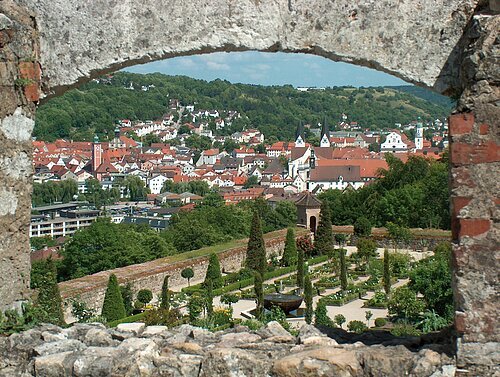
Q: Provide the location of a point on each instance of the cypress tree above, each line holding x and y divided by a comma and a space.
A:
209, 297
343, 270
113, 307
300, 268
323, 240
308, 298
321, 315
49, 297
256, 250
387, 272
213, 271
165, 297
290, 252
259, 294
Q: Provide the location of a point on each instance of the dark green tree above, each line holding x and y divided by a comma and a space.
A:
213, 271
113, 307
308, 298
128, 297
343, 269
323, 240
321, 315
144, 296
300, 268
339, 320
387, 272
290, 252
188, 274
367, 248
362, 227
49, 297
196, 303
259, 295
209, 297
165, 295
256, 250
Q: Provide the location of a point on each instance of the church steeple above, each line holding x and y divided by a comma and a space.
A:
325, 135
299, 136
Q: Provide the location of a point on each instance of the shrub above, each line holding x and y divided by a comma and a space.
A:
339, 320
305, 244
229, 299
404, 329
221, 316
195, 306
113, 307
380, 322
379, 300
366, 248
252, 324
144, 296
404, 304
321, 317
278, 315
49, 298
165, 294
357, 326
163, 317
362, 227
128, 298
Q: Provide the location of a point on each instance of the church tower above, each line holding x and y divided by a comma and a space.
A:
325, 136
419, 135
96, 154
299, 136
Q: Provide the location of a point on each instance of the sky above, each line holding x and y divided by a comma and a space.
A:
252, 67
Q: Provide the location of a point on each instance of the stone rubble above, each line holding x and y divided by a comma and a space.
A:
136, 350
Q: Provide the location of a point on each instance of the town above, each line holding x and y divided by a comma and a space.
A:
185, 150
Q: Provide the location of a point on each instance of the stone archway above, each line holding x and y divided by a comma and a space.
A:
312, 224
48, 46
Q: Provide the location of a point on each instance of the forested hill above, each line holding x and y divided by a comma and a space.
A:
275, 110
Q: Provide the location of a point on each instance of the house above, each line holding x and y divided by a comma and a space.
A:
156, 183
394, 143
334, 177
208, 157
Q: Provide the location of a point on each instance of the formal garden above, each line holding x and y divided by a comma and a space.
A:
343, 286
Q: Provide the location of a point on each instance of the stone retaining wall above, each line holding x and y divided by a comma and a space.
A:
91, 289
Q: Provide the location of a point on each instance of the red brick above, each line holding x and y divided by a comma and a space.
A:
497, 201
465, 154
30, 70
460, 322
32, 92
484, 129
461, 123
473, 227
459, 202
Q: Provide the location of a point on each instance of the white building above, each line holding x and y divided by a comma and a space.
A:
156, 183
394, 143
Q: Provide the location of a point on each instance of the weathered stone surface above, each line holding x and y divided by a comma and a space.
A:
99, 337
60, 346
135, 328
155, 331
273, 328
55, 365
377, 34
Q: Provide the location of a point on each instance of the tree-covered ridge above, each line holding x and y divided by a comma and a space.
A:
274, 110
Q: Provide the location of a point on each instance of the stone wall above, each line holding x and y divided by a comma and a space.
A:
186, 351
150, 275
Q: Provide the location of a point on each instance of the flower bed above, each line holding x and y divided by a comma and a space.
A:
340, 298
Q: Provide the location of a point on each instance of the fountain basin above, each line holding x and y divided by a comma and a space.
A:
287, 303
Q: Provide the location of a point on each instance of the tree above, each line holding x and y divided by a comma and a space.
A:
387, 272
256, 251
368, 316
113, 307
144, 296
259, 295
290, 252
49, 297
165, 296
404, 304
362, 227
356, 326
321, 315
128, 297
195, 306
339, 320
188, 274
343, 269
305, 244
209, 297
213, 271
251, 181
340, 238
135, 188
399, 234
323, 240
367, 248
432, 278
300, 268
308, 298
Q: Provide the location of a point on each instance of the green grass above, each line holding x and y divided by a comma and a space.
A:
132, 318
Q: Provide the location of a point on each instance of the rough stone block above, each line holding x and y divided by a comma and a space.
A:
136, 328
